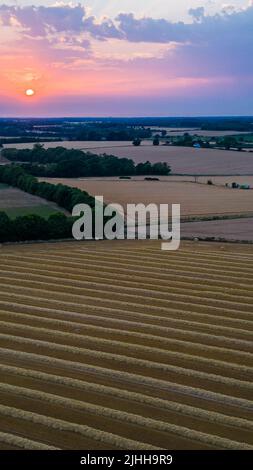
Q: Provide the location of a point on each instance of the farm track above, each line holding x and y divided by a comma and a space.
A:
103, 342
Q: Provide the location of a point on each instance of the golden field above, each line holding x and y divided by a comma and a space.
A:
195, 199
118, 345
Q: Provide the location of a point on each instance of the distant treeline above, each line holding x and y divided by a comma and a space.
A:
72, 130
71, 163
98, 128
34, 227
23, 140
110, 132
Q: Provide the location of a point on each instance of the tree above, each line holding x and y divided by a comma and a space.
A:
144, 168
31, 227
60, 226
228, 141
161, 169
6, 232
156, 141
137, 142
185, 141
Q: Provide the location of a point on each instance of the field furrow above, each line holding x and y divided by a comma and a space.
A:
126, 337
186, 329
122, 346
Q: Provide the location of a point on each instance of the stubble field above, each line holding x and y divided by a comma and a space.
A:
118, 345
195, 199
240, 229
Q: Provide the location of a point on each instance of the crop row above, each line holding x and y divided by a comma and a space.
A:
121, 416
163, 343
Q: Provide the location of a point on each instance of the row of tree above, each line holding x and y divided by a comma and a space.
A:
34, 227
63, 195
71, 163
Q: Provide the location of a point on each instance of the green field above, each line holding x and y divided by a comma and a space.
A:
3, 186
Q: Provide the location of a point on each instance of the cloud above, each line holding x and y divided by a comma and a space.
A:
151, 30
197, 13
106, 29
212, 52
219, 45
236, 26
40, 20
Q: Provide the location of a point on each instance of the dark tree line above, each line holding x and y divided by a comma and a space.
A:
110, 132
63, 195
62, 162
34, 227
71, 129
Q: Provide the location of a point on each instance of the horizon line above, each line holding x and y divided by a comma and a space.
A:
204, 116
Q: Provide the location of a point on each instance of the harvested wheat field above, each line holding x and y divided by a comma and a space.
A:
118, 345
232, 229
195, 199
216, 180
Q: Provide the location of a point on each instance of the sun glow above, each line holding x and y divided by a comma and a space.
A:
29, 92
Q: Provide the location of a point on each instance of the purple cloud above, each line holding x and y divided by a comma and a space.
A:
151, 30
205, 61
102, 31
74, 19
38, 20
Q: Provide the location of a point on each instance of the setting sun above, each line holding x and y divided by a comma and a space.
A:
30, 92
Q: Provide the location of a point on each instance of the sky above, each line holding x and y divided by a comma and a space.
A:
126, 58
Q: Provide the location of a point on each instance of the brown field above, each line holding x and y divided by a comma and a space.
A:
195, 199
235, 229
217, 180
182, 160
122, 346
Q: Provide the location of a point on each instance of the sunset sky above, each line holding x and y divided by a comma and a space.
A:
126, 58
